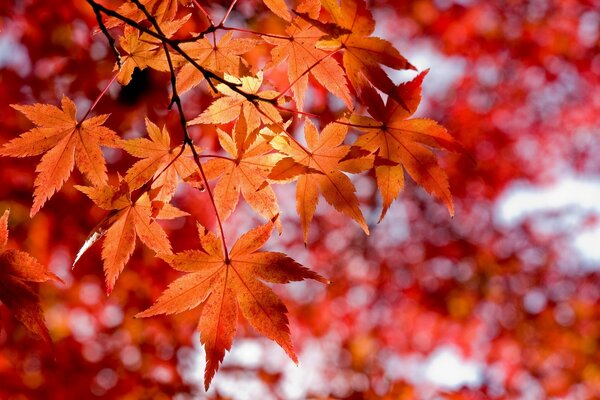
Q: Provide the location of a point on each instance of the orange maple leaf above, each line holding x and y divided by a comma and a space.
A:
144, 50
158, 161
221, 286
222, 57
401, 144
279, 8
162, 10
18, 273
128, 218
323, 155
230, 106
65, 142
245, 173
304, 58
363, 54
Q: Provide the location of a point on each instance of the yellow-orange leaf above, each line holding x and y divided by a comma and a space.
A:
162, 10
144, 50
279, 8
230, 106
323, 154
158, 161
222, 57
244, 173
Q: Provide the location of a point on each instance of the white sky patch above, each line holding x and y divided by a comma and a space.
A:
444, 71
13, 55
575, 196
447, 369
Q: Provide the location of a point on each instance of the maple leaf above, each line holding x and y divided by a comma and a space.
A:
304, 57
144, 50
324, 153
230, 106
128, 218
223, 285
18, 273
65, 142
401, 144
222, 57
158, 161
363, 54
162, 10
279, 8
244, 173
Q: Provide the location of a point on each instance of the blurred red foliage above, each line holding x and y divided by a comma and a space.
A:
515, 82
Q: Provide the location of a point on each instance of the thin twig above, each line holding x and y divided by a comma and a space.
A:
228, 12
111, 40
102, 93
206, 14
187, 140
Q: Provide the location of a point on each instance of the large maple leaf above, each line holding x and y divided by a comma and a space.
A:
244, 173
230, 106
128, 218
18, 274
222, 57
158, 161
223, 285
305, 58
363, 55
323, 156
65, 142
402, 144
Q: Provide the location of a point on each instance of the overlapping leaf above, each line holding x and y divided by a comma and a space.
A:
128, 218
402, 144
222, 286
220, 58
162, 10
144, 50
323, 155
18, 274
279, 8
247, 170
304, 58
65, 142
158, 161
363, 55
233, 103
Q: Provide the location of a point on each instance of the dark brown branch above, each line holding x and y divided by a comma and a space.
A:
111, 40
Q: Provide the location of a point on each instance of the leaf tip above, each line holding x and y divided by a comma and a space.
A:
56, 278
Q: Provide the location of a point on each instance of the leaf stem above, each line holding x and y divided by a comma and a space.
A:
231, 28
102, 93
233, 3
204, 12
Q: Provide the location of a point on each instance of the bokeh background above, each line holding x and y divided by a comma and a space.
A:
501, 301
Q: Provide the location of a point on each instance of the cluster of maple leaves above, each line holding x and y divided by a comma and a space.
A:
325, 40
